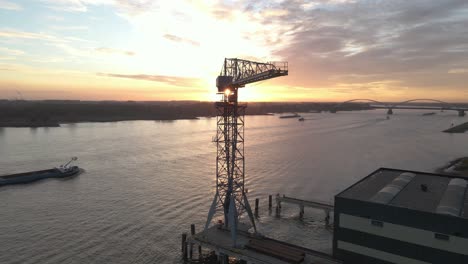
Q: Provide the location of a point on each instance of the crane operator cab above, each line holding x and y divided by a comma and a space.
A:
225, 87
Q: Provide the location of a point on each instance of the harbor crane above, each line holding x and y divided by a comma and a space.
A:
230, 198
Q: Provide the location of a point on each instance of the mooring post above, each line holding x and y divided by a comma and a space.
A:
223, 258
301, 212
184, 246
199, 253
269, 202
184, 238
192, 232
256, 206
278, 205
327, 217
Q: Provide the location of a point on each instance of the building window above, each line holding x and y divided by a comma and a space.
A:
441, 236
377, 223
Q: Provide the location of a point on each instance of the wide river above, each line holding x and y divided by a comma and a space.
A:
145, 182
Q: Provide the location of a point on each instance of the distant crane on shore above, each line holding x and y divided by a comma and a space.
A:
230, 197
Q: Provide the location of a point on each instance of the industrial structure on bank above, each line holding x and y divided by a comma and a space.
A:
396, 216
390, 216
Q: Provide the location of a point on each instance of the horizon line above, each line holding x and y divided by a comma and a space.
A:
207, 101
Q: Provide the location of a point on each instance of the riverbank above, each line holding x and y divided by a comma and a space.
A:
462, 128
28, 123
50, 113
457, 167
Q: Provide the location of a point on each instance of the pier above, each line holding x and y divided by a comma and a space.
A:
327, 208
215, 244
250, 249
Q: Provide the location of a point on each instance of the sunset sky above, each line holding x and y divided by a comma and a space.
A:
173, 50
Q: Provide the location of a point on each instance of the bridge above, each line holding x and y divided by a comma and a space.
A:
407, 104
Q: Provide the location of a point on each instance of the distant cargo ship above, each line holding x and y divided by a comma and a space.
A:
26, 177
290, 116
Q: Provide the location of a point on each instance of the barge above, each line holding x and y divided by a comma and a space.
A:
294, 115
27, 177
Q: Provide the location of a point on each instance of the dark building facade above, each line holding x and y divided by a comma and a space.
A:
396, 216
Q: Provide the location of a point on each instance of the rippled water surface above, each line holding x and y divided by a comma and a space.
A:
145, 182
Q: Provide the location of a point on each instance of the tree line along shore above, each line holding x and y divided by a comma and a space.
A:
52, 113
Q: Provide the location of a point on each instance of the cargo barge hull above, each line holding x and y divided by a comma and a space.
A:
32, 176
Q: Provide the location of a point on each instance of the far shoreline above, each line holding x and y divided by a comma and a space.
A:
53, 113
26, 124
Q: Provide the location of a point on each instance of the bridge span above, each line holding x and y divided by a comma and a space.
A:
407, 104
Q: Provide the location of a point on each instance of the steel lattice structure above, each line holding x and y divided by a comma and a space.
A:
230, 197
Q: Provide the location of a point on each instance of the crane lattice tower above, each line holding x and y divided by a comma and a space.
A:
230, 197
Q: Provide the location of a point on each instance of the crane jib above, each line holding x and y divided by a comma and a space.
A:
237, 73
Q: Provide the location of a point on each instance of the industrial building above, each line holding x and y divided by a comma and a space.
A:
397, 216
